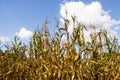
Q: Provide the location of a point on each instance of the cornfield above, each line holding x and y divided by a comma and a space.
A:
48, 58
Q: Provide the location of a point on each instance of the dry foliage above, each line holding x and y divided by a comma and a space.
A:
50, 59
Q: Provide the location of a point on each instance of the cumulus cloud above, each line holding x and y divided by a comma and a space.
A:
92, 13
4, 39
24, 33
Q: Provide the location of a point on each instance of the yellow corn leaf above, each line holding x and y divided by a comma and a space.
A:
93, 62
106, 69
116, 78
76, 57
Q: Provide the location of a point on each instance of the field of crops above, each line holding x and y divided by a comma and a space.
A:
48, 58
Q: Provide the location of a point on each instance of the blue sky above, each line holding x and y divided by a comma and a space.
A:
27, 14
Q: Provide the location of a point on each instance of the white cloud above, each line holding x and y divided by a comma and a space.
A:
4, 39
92, 13
119, 41
24, 33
